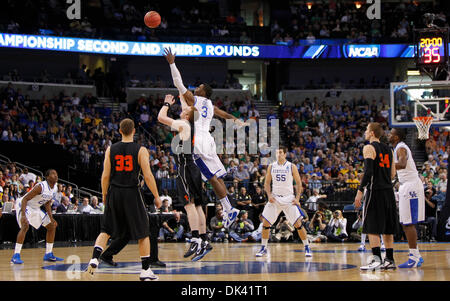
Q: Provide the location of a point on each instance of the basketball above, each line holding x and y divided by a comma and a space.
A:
152, 19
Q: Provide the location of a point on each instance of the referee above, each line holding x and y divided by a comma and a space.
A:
125, 214
380, 211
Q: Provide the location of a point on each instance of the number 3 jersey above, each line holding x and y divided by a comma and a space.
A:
203, 140
125, 167
282, 181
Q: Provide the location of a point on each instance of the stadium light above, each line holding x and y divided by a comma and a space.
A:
358, 4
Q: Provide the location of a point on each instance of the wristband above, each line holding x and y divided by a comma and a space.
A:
167, 104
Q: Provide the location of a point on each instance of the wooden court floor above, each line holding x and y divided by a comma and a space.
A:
232, 262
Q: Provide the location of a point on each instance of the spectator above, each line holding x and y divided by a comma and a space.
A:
337, 227
242, 176
311, 203
430, 213
96, 206
216, 225
172, 229
26, 177
244, 200
165, 207
242, 228
64, 206
85, 207
259, 200
165, 196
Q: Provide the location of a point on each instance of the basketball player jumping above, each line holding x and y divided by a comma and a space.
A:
189, 180
125, 214
28, 212
411, 195
379, 212
205, 155
282, 173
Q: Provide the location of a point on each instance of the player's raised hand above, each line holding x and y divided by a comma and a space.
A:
170, 57
169, 99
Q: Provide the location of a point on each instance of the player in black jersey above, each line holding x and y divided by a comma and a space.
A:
379, 212
125, 214
189, 180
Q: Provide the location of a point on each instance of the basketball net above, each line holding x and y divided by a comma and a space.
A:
423, 124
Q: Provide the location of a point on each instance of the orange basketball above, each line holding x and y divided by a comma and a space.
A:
152, 19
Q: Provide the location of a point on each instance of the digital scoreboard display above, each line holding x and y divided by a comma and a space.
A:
432, 47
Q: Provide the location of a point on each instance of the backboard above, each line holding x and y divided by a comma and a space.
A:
414, 99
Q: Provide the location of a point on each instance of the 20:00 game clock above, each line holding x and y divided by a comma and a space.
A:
431, 45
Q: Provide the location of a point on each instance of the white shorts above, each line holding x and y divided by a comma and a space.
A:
282, 203
35, 216
411, 202
205, 157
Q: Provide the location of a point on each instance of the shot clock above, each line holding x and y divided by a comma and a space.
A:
431, 45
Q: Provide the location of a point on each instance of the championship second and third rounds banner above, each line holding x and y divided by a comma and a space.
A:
96, 46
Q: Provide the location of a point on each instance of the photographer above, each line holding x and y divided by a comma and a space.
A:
337, 227
242, 228
430, 213
283, 231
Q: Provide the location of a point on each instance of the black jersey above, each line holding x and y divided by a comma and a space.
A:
381, 178
125, 167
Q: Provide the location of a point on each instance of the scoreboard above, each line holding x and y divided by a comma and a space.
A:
431, 49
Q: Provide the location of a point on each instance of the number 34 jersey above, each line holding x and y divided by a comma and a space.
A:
282, 180
125, 167
381, 178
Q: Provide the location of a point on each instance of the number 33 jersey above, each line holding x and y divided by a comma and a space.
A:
282, 181
125, 167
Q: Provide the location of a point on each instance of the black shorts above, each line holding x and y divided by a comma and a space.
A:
380, 212
125, 214
189, 184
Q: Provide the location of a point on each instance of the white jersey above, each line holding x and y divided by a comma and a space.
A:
45, 196
205, 111
282, 180
409, 173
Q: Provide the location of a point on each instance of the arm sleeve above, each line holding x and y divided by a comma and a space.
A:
368, 172
177, 81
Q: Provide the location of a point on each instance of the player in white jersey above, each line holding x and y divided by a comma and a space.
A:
28, 212
281, 197
411, 195
205, 155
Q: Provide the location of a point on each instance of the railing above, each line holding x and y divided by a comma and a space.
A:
147, 135
5, 159
90, 192
22, 166
76, 190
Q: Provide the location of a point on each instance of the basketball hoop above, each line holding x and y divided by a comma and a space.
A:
423, 124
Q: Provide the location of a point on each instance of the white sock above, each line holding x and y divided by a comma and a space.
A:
264, 242
363, 239
226, 204
381, 239
48, 248
305, 242
18, 248
415, 252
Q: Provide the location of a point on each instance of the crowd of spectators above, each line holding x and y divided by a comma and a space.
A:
311, 21
212, 21
181, 21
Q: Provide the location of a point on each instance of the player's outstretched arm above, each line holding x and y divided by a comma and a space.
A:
106, 175
222, 114
176, 76
144, 162
162, 116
